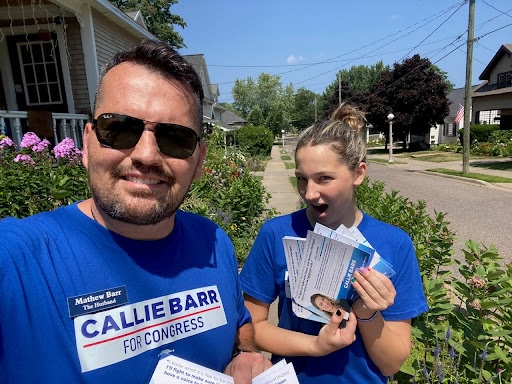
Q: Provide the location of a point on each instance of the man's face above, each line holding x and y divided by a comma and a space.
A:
141, 185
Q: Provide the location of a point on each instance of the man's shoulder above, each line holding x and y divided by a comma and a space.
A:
13, 228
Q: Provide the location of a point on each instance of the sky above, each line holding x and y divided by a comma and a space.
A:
307, 42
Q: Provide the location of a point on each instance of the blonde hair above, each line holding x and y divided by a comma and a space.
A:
343, 132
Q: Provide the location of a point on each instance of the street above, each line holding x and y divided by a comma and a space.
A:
475, 212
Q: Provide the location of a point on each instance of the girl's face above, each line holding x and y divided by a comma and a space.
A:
327, 186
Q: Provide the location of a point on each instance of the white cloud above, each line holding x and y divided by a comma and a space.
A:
292, 59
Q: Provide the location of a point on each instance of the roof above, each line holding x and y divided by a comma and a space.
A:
230, 118
505, 49
491, 89
456, 97
108, 10
199, 63
137, 17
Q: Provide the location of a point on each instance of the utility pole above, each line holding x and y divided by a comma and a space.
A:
339, 87
467, 94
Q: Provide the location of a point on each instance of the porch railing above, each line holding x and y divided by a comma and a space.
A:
64, 125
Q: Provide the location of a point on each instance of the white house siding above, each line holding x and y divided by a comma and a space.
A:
110, 38
77, 68
502, 66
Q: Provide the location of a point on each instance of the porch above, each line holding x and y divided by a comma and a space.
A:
59, 126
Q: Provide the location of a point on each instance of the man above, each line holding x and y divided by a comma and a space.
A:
95, 291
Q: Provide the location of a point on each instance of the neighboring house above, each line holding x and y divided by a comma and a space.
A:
496, 91
214, 115
491, 100
51, 52
448, 132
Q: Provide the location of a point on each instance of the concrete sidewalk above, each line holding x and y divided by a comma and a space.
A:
276, 180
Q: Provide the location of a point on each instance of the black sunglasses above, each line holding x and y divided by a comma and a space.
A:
123, 132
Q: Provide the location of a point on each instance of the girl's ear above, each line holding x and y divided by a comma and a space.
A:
360, 173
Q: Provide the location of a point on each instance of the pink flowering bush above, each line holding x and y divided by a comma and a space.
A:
32, 180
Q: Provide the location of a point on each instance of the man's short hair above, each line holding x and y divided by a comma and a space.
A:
161, 58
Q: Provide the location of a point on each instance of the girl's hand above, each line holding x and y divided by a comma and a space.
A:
376, 292
338, 333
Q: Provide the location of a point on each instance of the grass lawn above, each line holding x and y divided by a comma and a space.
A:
499, 165
289, 165
477, 176
286, 157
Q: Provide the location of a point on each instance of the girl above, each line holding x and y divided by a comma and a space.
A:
330, 163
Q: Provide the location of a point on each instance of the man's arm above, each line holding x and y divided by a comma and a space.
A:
249, 362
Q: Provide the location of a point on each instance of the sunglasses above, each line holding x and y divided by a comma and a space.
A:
123, 132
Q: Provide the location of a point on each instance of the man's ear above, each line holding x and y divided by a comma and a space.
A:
85, 152
360, 173
202, 155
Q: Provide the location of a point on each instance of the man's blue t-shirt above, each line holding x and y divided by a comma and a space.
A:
263, 278
81, 304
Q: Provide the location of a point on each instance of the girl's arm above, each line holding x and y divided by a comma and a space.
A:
388, 343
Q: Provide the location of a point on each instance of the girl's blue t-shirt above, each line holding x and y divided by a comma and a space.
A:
263, 278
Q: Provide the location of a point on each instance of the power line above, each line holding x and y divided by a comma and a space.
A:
431, 33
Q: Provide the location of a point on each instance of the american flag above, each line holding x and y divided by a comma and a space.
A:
460, 114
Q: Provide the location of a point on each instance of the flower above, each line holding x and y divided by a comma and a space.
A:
6, 142
66, 150
29, 140
24, 159
475, 304
447, 334
41, 146
477, 282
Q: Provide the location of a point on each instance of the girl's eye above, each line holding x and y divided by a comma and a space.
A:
300, 178
325, 178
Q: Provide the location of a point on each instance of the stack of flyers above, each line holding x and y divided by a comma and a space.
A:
173, 370
321, 267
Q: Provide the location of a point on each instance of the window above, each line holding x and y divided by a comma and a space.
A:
449, 129
505, 80
40, 73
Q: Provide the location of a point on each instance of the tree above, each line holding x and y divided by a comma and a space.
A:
304, 108
415, 91
356, 83
264, 102
158, 18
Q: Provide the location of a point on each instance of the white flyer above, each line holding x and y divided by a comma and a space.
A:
175, 370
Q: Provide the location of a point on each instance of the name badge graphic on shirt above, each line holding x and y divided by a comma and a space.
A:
97, 301
108, 337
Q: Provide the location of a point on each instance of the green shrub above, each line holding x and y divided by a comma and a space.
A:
231, 196
479, 133
257, 141
499, 144
466, 335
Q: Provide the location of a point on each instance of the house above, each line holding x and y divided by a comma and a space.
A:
51, 52
214, 115
448, 132
491, 100
495, 93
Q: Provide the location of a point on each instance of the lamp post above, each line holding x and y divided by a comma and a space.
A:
282, 133
390, 119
